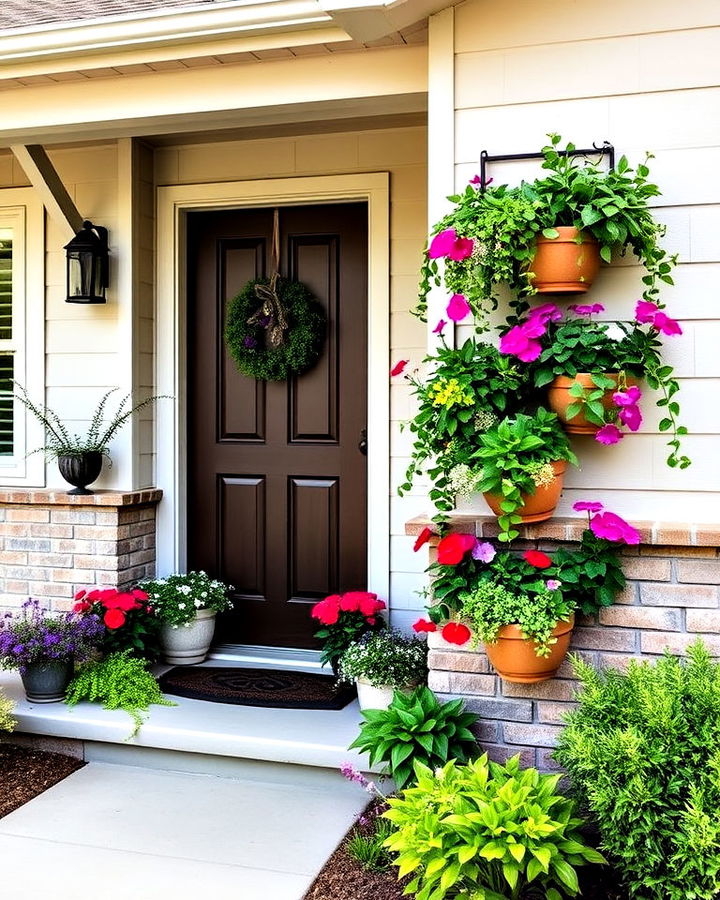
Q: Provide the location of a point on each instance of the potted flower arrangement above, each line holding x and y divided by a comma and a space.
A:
382, 662
494, 233
592, 368
45, 646
344, 619
80, 458
186, 606
522, 604
523, 460
130, 621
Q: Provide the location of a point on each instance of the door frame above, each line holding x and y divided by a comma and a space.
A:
173, 204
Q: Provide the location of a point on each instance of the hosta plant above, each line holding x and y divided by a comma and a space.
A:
483, 831
416, 728
643, 752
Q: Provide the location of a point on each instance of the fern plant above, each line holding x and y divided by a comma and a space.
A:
58, 439
119, 681
416, 728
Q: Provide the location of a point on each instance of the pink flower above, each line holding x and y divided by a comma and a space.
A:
399, 367
552, 584
447, 243
548, 312
517, 343
631, 416
627, 398
666, 324
424, 625
458, 308
456, 633
587, 309
645, 311
475, 180
609, 434
438, 329
484, 552
611, 527
587, 506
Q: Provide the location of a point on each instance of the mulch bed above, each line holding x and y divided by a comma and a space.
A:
26, 773
342, 878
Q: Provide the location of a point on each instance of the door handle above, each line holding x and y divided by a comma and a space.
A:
362, 443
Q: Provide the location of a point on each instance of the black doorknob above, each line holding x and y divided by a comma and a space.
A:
362, 443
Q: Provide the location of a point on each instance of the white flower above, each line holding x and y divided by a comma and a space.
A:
615, 332
181, 606
204, 594
184, 589
198, 604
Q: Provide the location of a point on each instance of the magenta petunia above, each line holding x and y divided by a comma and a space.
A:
438, 329
645, 311
631, 417
587, 506
613, 528
627, 398
441, 243
484, 552
517, 343
458, 308
609, 434
587, 309
475, 180
548, 312
665, 324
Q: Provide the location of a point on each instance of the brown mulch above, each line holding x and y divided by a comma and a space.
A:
25, 773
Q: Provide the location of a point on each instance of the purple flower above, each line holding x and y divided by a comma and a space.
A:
348, 770
587, 506
552, 584
631, 416
484, 552
609, 434
627, 398
249, 342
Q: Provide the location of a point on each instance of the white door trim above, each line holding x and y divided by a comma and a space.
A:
173, 203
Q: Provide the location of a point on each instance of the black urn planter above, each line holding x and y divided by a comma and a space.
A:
80, 471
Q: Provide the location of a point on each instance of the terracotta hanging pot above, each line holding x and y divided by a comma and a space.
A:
559, 398
562, 265
539, 506
514, 657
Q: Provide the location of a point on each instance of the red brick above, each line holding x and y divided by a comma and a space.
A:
72, 516
546, 763
51, 531
16, 587
96, 532
680, 552
501, 754
96, 562
616, 660
647, 569
658, 642
554, 689
13, 558
696, 571
462, 683
682, 595
552, 712
603, 638
703, 620
71, 576
28, 514
628, 595
642, 617
458, 662
45, 589
50, 559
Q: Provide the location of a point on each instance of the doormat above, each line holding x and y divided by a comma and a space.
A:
274, 688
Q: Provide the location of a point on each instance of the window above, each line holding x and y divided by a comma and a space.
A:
22, 287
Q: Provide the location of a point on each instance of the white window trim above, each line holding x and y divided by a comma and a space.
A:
28, 340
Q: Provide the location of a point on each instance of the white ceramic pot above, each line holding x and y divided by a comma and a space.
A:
188, 644
380, 697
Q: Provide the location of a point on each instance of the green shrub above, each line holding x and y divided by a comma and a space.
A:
120, 681
486, 831
367, 847
416, 727
7, 723
643, 751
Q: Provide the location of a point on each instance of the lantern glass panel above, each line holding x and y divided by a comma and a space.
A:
80, 273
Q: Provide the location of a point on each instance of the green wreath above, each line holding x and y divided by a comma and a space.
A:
268, 349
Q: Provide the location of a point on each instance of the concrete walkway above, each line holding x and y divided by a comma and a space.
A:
116, 831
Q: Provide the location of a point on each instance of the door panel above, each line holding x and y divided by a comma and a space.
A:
277, 488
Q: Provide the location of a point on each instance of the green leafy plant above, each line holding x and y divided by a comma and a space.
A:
516, 456
486, 832
470, 389
490, 606
366, 845
643, 752
119, 681
387, 658
7, 723
417, 727
177, 598
60, 442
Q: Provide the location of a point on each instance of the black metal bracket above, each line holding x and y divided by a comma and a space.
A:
606, 149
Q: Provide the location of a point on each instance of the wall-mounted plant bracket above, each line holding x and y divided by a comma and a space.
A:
606, 149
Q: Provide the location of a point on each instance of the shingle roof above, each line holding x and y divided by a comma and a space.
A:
26, 13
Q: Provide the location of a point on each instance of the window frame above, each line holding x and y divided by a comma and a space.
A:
23, 210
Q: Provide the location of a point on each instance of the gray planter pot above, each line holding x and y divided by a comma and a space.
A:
47, 681
188, 644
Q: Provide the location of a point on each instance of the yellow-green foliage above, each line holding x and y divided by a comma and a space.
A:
7, 723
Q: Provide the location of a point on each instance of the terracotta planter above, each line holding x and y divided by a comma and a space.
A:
514, 657
539, 506
559, 398
563, 266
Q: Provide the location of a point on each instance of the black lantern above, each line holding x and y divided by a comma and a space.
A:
87, 265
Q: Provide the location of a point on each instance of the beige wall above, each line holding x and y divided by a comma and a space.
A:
645, 77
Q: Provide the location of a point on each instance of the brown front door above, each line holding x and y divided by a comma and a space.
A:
277, 487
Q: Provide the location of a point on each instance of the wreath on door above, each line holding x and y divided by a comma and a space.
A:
275, 328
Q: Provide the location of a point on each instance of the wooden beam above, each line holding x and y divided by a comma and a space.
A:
46, 181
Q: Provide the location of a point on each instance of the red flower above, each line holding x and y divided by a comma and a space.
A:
422, 539
453, 548
456, 633
327, 610
424, 625
399, 367
537, 559
79, 595
140, 595
82, 606
350, 602
371, 620
114, 618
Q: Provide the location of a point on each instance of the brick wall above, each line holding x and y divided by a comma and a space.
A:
52, 543
672, 597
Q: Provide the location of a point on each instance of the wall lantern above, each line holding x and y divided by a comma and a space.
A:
87, 265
